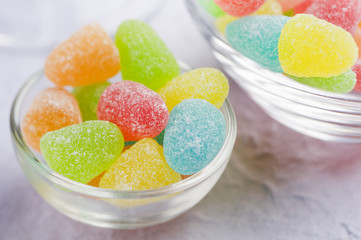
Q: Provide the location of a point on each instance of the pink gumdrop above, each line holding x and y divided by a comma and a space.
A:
343, 13
302, 7
357, 69
138, 111
289, 4
239, 8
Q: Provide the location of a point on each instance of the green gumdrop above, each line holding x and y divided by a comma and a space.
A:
158, 138
88, 98
81, 152
211, 7
144, 56
342, 83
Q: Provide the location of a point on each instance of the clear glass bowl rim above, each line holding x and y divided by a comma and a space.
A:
50, 175
276, 77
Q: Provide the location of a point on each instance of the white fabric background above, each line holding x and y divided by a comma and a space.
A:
279, 184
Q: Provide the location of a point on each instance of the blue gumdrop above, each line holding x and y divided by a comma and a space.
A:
257, 38
193, 136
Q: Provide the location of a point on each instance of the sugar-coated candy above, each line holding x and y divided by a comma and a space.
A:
95, 181
145, 57
239, 8
88, 98
343, 13
302, 7
211, 7
343, 83
357, 37
270, 7
194, 135
222, 22
311, 47
160, 138
205, 83
138, 111
51, 109
141, 167
83, 151
257, 38
87, 57
357, 70
289, 4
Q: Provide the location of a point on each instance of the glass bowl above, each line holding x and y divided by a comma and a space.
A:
113, 208
313, 112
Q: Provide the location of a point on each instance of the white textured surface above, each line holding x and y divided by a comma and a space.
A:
279, 184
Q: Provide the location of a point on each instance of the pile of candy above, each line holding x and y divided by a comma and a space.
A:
110, 135
315, 42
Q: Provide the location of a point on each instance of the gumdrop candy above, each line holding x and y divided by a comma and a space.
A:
205, 83
222, 22
257, 38
145, 57
83, 151
289, 4
211, 7
343, 13
88, 98
95, 181
141, 167
310, 47
160, 138
270, 7
138, 111
51, 109
357, 37
357, 70
343, 83
194, 135
239, 8
302, 7
87, 57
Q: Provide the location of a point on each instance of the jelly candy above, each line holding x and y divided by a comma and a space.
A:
270, 7
83, 151
343, 83
211, 7
95, 181
52, 109
310, 47
205, 83
343, 13
239, 8
222, 22
257, 38
289, 4
302, 7
87, 57
141, 167
144, 56
88, 98
160, 138
357, 70
194, 135
138, 111
357, 37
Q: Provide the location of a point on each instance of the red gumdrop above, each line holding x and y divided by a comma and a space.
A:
239, 8
302, 7
357, 69
343, 13
138, 111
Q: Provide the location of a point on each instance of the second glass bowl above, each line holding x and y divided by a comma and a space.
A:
320, 114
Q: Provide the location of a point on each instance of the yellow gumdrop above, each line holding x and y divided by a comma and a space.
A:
310, 47
223, 21
141, 167
209, 84
270, 7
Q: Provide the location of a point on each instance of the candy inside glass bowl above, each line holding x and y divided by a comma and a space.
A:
113, 208
317, 113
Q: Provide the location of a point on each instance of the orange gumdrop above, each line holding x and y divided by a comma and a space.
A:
87, 57
52, 109
95, 181
357, 37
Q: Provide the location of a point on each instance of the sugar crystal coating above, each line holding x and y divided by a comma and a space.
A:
87, 57
83, 151
239, 8
343, 13
302, 7
343, 83
88, 98
51, 109
289, 4
138, 111
357, 70
205, 83
357, 37
145, 57
211, 7
310, 47
141, 167
257, 38
270, 7
194, 135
